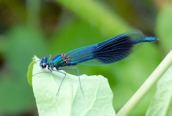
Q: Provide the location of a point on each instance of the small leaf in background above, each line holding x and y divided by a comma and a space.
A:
29, 73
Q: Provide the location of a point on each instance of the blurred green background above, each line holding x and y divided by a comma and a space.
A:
43, 27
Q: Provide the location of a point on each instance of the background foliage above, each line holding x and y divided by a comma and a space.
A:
29, 28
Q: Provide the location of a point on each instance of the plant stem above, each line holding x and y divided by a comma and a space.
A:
146, 86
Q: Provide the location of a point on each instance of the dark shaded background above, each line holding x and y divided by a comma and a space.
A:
29, 28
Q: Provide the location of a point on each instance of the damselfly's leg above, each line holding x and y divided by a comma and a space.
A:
73, 68
61, 81
40, 73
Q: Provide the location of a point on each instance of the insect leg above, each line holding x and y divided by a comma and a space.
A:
61, 81
74, 68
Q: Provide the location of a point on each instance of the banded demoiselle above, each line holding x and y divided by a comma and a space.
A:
106, 52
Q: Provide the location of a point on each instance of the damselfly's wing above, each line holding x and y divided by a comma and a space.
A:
81, 55
106, 52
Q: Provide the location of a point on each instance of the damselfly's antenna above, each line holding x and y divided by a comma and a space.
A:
49, 57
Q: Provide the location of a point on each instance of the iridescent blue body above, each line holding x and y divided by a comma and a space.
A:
106, 52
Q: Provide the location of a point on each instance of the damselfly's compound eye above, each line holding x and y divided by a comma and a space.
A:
43, 62
43, 65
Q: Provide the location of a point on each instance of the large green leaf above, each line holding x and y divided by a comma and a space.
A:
96, 98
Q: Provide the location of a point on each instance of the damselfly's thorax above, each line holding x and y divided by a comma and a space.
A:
57, 62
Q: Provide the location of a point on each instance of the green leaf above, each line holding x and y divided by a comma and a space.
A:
96, 98
29, 72
161, 104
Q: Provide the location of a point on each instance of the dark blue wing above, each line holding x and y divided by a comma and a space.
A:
109, 51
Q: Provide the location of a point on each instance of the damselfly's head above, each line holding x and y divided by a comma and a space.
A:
43, 62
